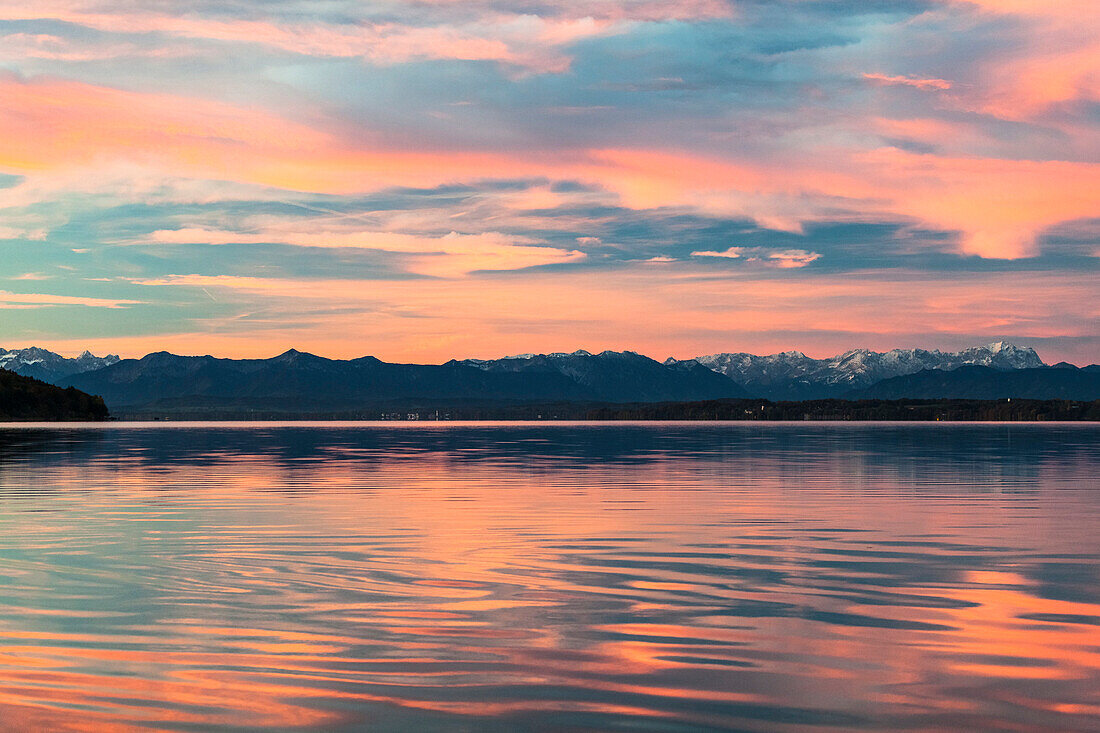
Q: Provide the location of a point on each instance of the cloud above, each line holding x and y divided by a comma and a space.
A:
20, 47
785, 259
527, 40
511, 148
10, 300
52, 125
9, 232
1053, 60
792, 258
731, 253
923, 84
450, 255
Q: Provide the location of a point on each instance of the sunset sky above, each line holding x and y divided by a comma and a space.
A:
427, 179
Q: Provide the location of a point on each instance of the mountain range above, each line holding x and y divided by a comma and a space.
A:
296, 382
794, 376
614, 376
50, 367
300, 383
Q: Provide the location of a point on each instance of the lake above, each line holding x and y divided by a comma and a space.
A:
550, 577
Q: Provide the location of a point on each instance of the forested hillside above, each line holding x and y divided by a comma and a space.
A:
24, 398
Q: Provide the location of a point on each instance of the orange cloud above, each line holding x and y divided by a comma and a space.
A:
451, 255
10, 301
50, 123
56, 125
689, 311
999, 205
1051, 75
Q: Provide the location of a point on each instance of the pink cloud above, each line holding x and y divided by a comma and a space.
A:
530, 42
1063, 9
1056, 62
18, 47
51, 123
791, 258
451, 255
909, 81
785, 259
999, 206
732, 253
636, 10
44, 300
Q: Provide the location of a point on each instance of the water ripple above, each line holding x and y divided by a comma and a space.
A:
547, 578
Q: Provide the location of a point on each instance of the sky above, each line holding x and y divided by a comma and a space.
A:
427, 179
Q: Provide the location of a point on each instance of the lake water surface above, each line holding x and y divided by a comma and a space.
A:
550, 577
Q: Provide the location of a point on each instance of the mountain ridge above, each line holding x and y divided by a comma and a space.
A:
47, 366
982, 382
792, 375
298, 381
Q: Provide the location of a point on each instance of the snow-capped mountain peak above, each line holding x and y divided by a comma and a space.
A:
793, 375
50, 367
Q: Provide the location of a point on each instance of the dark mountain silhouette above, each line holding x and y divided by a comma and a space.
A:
25, 398
301, 384
297, 382
1060, 382
615, 376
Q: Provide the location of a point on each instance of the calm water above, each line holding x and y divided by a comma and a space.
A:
659, 577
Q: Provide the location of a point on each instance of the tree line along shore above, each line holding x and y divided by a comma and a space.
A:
1006, 410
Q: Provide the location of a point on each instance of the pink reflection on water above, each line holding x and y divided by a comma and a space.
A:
761, 593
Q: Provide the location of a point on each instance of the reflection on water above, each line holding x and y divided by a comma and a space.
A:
551, 577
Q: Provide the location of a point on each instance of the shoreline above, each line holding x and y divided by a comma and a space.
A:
432, 424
